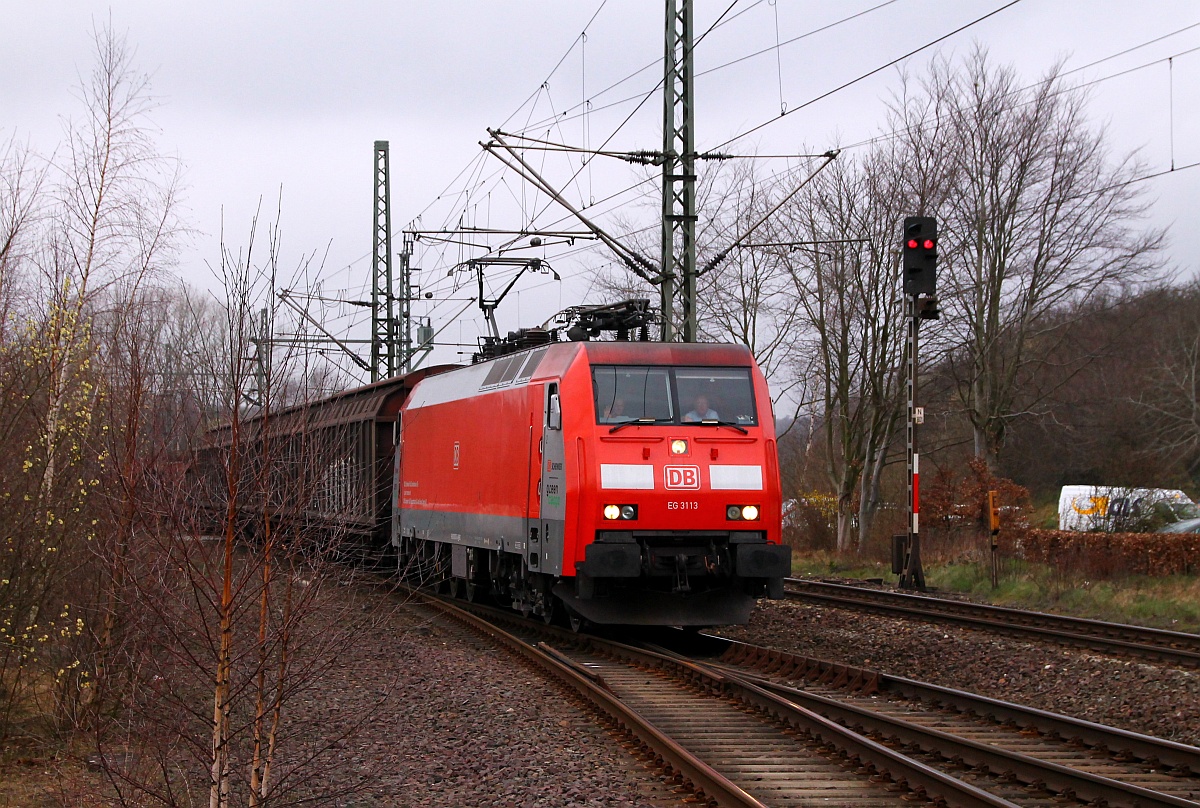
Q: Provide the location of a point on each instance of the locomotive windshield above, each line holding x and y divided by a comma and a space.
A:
677, 395
632, 393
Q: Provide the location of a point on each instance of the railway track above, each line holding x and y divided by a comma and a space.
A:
735, 730
980, 733
1174, 648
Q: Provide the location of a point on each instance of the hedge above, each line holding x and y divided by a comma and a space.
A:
1107, 554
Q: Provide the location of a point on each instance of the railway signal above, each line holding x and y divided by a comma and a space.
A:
918, 251
920, 255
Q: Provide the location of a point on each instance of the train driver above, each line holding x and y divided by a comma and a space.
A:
701, 411
615, 411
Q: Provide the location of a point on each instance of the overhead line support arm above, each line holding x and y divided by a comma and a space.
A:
636, 263
283, 297
713, 262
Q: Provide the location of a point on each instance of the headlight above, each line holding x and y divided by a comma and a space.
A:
679, 446
627, 512
741, 513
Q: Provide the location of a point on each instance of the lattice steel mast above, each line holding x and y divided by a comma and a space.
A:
678, 177
384, 328
403, 329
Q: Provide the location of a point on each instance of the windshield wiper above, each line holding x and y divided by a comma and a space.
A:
639, 421
715, 422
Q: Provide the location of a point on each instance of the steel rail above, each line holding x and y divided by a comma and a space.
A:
922, 779
1159, 645
706, 781
1054, 777
907, 773
1182, 758
1175, 760
861, 736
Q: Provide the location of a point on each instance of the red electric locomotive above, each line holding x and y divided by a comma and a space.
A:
629, 482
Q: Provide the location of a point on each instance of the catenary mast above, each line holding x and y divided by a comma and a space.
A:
678, 178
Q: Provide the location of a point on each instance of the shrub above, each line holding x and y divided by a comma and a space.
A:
954, 519
1107, 555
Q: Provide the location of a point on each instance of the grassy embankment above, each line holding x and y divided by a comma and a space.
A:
1171, 603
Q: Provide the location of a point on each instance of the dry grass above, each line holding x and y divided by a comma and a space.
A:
1170, 602
32, 782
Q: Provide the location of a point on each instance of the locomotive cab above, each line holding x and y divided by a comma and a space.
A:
682, 524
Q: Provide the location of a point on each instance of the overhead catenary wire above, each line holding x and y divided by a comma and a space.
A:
658, 85
1134, 180
880, 5
636, 260
1126, 72
722, 19
536, 214
870, 73
859, 14
570, 112
1171, 97
1075, 88
942, 38
778, 58
885, 136
582, 37
579, 108
779, 46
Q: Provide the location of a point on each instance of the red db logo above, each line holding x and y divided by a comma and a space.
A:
682, 476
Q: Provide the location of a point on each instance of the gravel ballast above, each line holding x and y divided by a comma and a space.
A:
1141, 697
481, 726
397, 707
433, 714
414, 710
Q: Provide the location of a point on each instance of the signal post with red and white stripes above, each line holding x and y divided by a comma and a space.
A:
919, 260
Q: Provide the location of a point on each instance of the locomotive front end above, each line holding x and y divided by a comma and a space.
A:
678, 507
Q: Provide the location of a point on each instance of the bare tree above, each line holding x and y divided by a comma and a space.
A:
747, 297
1171, 399
844, 281
1035, 217
235, 613
21, 202
84, 234
114, 215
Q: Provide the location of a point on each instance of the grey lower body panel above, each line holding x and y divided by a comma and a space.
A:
505, 534
471, 529
722, 607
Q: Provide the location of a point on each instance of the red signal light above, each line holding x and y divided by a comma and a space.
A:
927, 245
912, 243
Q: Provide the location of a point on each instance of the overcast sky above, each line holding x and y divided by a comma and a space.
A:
263, 98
